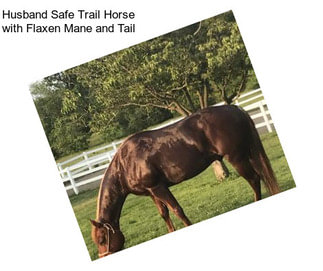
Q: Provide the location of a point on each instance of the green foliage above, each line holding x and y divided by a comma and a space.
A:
62, 105
125, 92
48, 104
228, 63
133, 119
68, 136
181, 71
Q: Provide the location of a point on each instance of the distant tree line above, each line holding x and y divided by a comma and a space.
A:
130, 90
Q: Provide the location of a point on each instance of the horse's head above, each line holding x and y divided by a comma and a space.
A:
108, 239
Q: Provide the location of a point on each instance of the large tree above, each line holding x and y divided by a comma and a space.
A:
182, 71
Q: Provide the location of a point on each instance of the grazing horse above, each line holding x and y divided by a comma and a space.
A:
147, 163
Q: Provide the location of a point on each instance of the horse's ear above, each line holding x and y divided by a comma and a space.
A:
96, 224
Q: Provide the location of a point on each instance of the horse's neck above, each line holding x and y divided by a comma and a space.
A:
110, 202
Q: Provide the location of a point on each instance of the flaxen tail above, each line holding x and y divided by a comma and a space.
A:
260, 162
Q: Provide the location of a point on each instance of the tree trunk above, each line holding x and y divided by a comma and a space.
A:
205, 96
189, 99
181, 109
201, 101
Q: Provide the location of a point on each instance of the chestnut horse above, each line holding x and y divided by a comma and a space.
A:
147, 163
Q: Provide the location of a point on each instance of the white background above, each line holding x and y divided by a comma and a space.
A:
38, 227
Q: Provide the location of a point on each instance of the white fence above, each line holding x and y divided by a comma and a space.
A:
85, 164
88, 167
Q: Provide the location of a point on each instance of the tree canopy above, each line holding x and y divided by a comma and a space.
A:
127, 91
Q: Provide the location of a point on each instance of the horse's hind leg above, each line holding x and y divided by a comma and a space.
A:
163, 194
163, 210
245, 169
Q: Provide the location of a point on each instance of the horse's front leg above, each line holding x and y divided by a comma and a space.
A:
163, 210
163, 194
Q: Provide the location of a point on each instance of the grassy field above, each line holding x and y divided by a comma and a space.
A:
202, 197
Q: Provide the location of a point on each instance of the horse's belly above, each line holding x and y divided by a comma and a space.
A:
186, 167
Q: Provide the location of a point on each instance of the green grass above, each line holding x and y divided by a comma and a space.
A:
202, 197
